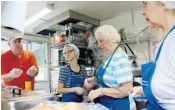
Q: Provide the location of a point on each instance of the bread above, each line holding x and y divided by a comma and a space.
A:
74, 106
59, 106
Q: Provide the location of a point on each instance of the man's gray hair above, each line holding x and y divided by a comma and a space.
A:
107, 32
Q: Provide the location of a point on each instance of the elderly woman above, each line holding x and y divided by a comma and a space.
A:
115, 77
71, 76
158, 77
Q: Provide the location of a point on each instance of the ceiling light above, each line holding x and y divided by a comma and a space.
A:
40, 14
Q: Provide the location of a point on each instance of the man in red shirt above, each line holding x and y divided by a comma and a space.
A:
17, 65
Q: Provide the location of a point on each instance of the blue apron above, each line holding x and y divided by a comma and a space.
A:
76, 81
147, 74
110, 102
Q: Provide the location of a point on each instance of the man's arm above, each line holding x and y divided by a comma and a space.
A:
4, 72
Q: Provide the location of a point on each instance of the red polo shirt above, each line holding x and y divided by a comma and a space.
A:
10, 61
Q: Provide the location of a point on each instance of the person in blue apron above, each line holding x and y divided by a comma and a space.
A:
158, 76
115, 77
71, 76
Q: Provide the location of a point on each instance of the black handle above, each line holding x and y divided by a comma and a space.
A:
16, 91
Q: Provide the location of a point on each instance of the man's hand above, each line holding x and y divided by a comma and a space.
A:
78, 90
32, 71
15, 73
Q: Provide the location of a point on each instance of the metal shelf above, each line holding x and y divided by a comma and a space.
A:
59, 46
62, 44
76, 27
132, 56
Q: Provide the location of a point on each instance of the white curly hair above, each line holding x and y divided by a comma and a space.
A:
107, 32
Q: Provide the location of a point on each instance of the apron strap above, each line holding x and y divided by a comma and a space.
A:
111, 57
158, 52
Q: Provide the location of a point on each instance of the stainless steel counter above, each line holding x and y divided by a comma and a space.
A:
26, 100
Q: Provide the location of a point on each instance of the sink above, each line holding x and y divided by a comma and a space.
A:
26, 104
30, 99
27, 100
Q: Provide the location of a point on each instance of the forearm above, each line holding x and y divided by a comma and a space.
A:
65, 90
120, 92
36, 73
113, 92
6, 78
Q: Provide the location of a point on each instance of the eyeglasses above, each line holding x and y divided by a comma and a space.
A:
68, 52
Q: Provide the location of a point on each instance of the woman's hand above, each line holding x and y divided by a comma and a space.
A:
95, 93
89, 83
136, 91
78, 90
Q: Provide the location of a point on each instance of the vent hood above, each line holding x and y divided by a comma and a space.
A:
64, 18
13, 15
